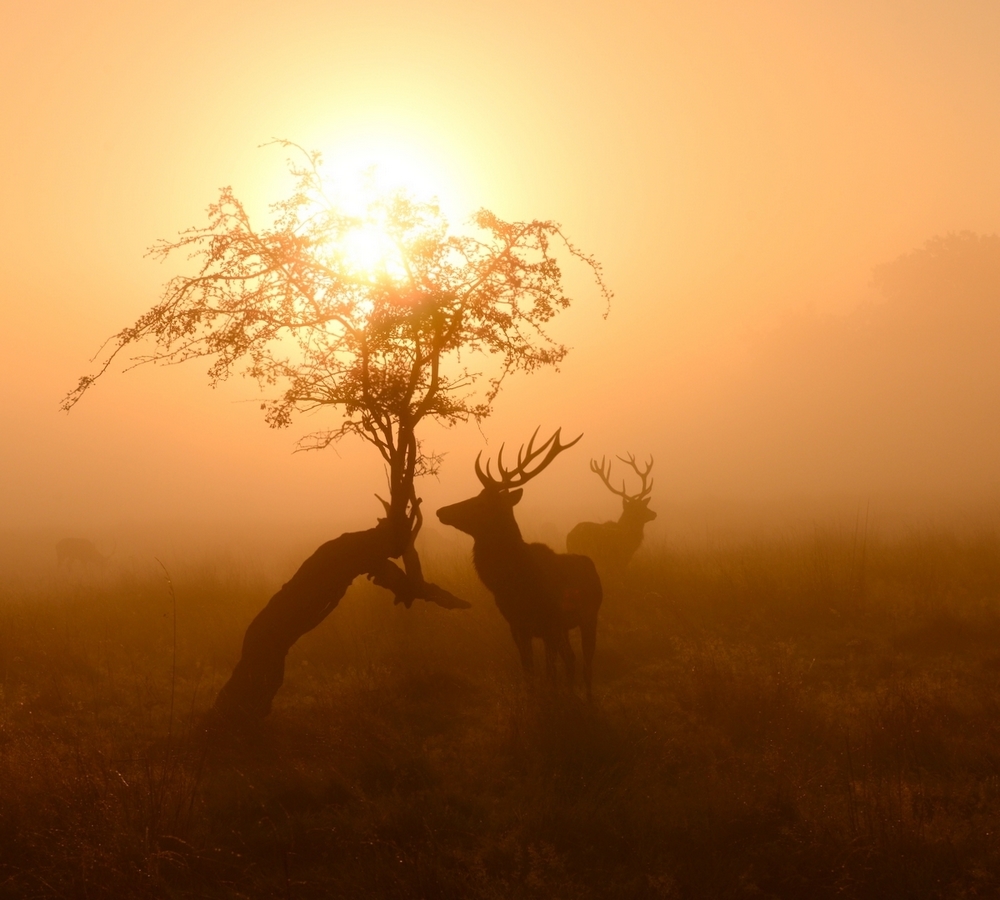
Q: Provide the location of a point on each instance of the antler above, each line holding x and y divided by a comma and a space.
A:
604, 473
645, 490
519, 475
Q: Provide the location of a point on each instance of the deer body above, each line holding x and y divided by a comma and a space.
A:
541, 593
70, 551
611, 545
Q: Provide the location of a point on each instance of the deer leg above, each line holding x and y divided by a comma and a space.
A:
569, 660
551, 649
588, 638
523, 641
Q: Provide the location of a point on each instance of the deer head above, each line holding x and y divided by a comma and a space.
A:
492, 507
634, 506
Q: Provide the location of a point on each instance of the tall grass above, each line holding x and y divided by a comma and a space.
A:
814, 717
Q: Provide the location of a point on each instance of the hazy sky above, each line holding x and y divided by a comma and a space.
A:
728, 162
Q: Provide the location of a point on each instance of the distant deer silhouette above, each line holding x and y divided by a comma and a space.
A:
539, 592
611, 545
70, 551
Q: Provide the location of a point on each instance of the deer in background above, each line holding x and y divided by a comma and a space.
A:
70, 551
612, 544
539, 592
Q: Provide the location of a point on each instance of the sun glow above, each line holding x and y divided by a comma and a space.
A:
371, 169
355, 183
369, 252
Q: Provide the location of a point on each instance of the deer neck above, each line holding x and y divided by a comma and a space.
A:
493, 551
631, 527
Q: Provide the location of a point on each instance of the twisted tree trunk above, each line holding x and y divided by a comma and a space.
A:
306, 600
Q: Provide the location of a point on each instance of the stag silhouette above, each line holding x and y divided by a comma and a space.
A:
79, 551
539, 592
611, 545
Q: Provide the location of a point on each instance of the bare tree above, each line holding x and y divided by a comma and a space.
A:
539, 592
386, 344
611, 545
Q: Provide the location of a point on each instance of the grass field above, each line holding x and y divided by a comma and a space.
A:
803, 717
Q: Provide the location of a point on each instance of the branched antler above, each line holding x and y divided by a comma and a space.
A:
520, 475
603, 471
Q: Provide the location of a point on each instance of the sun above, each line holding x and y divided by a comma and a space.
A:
355, 181
368, 250
364, 247
381, 166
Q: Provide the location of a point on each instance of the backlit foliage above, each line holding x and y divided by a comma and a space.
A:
376, 313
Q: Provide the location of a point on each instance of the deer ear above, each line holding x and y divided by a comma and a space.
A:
514, 497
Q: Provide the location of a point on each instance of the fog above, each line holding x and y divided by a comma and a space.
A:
797, 211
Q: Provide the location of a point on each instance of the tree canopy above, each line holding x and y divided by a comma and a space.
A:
383, 313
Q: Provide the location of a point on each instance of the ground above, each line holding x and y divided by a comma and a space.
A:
803, 717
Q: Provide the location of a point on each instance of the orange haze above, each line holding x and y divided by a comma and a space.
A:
741, 169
